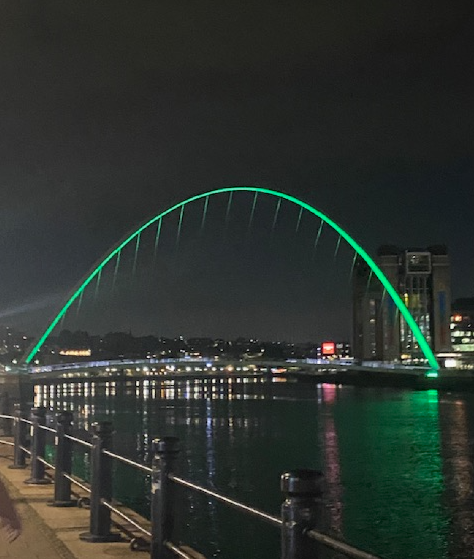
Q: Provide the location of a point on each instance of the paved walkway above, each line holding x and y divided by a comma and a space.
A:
37, 539
49, 532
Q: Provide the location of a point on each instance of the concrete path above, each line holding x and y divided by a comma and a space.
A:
50, 532
37, 540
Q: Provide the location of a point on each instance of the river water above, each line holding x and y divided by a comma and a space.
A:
398, 463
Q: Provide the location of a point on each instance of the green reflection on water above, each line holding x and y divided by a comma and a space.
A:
392, 474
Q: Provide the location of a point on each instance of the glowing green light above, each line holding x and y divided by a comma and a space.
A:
432, 374
424, 346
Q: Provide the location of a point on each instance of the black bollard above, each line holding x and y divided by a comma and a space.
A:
301, 511
63, 463
101, 486
38, 443
19, 439
165, 452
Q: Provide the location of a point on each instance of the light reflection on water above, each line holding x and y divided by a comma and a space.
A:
397, 463
457, 451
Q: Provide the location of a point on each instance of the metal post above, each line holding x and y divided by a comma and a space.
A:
165, 452
301, 511
63, 463
101, 485
19, 439
38, 443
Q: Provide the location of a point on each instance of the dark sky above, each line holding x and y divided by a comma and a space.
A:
110, 111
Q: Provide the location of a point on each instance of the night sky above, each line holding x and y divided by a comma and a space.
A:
111, 111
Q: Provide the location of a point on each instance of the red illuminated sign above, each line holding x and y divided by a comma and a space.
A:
328, 348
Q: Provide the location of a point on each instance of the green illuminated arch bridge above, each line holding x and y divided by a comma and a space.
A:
77, 292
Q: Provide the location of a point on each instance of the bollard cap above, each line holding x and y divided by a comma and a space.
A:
64, 417
102, 428
165, 445
302, 482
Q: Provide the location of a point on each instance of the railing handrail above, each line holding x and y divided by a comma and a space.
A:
125, 517
274, 520
46, 428
79, 441
339, 545
128, 461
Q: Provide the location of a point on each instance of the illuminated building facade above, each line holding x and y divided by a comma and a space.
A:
422, 279
338, 350
462, 325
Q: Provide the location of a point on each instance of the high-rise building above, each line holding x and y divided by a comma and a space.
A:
422, 279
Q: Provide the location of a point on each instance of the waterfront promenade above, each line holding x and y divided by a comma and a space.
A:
49, 532
375, 446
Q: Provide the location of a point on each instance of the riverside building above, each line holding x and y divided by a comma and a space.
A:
422, 278
462, 326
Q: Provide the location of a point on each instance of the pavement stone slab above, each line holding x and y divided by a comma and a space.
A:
49, 532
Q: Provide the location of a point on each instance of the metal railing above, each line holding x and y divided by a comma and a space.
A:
301, 511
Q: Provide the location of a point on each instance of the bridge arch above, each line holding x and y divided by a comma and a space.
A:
76, 293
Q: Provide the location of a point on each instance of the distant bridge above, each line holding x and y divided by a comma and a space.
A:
183, 367
134, 236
